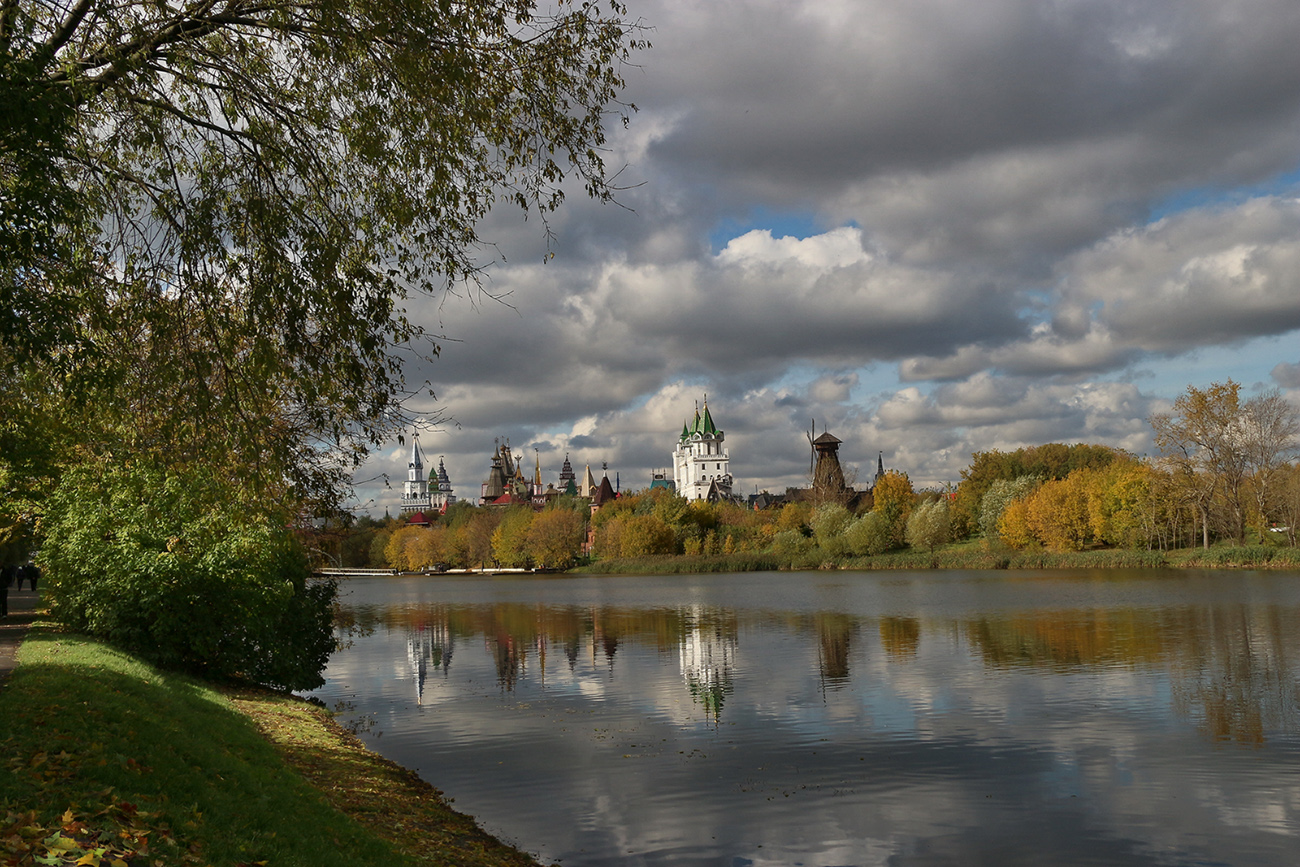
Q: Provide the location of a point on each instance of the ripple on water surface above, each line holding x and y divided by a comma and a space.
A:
923, 718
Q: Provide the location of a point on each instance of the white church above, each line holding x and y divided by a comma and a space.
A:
419, 496
700, 461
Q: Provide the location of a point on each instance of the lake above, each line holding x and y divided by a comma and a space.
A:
843, 718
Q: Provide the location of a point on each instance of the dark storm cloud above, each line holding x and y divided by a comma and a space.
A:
800, 96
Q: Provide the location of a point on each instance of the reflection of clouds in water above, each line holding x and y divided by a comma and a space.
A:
922, 736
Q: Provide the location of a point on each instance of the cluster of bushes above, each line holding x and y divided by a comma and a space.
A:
159, 565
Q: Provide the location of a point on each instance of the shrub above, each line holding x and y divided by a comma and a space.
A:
870, 534
929, 526
829, 522
163, 567
791, 545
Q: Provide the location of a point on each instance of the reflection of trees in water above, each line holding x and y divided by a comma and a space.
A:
509, 656
1238, 680
834, 633
900, 636
1229, 666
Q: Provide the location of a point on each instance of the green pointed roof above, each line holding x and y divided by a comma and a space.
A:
709, 427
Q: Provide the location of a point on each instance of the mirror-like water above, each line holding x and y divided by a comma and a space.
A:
817, 718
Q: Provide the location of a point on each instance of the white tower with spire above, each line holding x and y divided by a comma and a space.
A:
416, 496
700, 461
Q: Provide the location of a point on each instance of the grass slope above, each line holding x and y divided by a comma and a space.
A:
112, 762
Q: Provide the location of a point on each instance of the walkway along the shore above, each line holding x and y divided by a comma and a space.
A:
22, 611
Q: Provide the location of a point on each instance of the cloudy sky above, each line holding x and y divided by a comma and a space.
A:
933, 227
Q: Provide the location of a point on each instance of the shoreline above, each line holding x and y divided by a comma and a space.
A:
112, 755
390, 799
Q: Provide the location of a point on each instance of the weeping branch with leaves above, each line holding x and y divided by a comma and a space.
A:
216, 211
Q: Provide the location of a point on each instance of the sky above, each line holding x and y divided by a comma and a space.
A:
932, 228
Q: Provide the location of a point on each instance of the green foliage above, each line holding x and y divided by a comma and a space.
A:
869, 535
1230, 556
999, 495
929, 525
159, 565
829, 523
214, 213
378, 554
791, 545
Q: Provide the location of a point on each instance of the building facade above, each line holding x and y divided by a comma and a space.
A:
701, 464
421, 494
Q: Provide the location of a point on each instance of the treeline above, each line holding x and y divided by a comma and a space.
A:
1225, 475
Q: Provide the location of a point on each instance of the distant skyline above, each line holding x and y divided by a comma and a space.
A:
934, 227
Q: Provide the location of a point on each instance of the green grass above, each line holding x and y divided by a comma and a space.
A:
100, 745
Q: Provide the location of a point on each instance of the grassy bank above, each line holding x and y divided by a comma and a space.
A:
111, 762
965, 555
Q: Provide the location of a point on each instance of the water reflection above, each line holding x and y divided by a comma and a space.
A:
707, 655
848, 720
1230, 669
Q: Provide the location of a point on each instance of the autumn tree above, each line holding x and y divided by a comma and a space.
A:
1121, 504
510, 538
632, 535
1049, 461
1057, 513
556, 536
1013, 526
1203, 444
474, 536
1270, 425
397, 551
893, 501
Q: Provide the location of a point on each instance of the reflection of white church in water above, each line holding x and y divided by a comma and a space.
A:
428, 648
707, 657
419, 495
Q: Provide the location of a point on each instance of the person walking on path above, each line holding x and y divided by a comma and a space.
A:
7, 574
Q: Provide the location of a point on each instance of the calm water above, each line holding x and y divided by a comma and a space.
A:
966, 718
